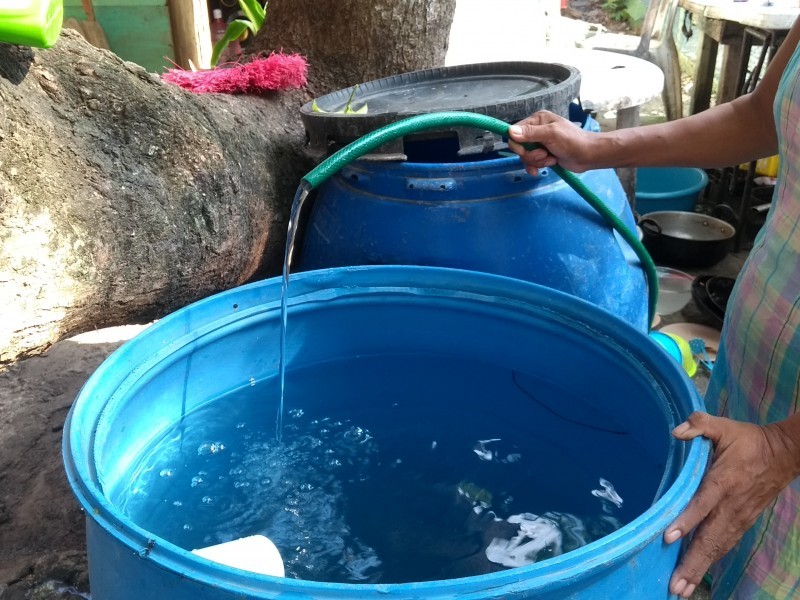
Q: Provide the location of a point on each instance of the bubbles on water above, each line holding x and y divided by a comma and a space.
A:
289, 491
252, 382
357, 435
300, 493
210, 448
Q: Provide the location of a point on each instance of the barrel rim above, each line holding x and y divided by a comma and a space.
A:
576, 565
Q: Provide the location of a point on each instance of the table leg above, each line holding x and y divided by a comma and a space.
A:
628, 117
704, 75
729, 76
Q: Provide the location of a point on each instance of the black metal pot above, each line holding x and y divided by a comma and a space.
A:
686, 239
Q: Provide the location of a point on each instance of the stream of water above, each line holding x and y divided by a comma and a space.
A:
294, 217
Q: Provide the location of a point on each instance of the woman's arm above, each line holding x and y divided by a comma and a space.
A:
727, 134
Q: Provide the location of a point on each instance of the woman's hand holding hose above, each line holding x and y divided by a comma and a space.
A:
561, 142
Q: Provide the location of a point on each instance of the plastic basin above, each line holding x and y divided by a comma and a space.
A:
668, 188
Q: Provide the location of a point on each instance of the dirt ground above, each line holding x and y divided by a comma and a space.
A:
41, 526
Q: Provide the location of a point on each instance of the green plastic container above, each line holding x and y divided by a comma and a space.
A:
31, 22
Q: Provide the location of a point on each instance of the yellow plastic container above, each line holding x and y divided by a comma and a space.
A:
31, 22
766, 167
687, 359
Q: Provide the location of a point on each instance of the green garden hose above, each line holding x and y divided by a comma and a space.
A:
443, 120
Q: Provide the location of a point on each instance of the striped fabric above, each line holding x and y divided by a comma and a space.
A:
757, 374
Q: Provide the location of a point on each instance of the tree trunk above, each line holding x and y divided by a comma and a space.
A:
354, 41
123, 198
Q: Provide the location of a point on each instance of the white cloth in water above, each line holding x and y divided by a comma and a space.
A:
535, 534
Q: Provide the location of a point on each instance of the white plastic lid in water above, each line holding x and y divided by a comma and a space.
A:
254, 553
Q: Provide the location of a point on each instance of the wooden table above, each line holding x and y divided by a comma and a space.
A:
724, 22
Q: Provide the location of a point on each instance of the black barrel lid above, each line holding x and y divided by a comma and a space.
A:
509, 91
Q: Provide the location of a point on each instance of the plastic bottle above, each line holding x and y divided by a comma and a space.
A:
31, 22
218, 28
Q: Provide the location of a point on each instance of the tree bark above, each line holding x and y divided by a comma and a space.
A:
123, 197
354, 41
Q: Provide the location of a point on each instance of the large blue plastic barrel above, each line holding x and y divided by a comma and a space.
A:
621, 385
486, 215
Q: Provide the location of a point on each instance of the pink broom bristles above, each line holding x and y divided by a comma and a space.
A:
261, 75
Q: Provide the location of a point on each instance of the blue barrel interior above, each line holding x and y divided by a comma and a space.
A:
569, 372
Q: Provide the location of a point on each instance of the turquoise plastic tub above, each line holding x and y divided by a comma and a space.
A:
668, 188
590, 378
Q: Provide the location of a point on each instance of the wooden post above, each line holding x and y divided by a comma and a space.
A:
628, 117
191, 34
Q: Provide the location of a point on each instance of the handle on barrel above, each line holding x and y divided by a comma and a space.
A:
446, 120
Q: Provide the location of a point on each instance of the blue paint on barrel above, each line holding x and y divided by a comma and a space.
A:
483, 215
218, 345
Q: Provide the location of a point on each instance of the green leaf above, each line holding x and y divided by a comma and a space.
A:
254, 12
315, 108
358, 111
234, 30
350, 100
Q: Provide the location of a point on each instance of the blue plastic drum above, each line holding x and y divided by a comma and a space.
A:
484, 214
588, 384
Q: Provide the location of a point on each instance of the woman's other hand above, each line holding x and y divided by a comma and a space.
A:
750, 466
